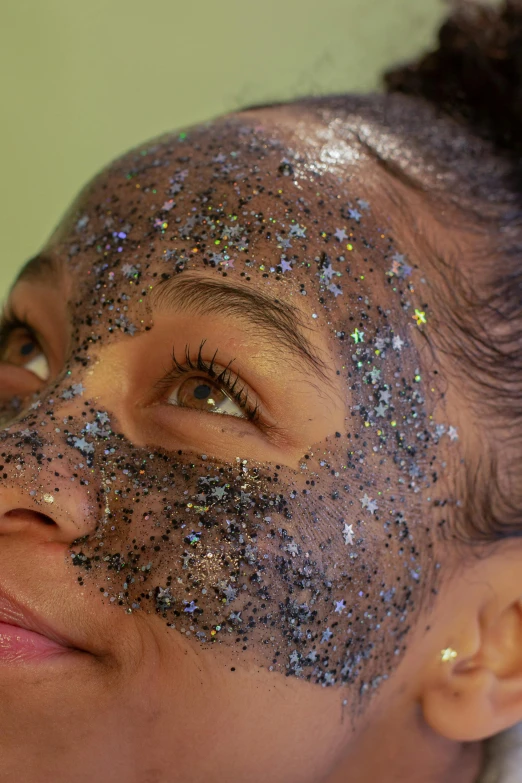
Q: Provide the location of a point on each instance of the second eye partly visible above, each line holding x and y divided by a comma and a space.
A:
20, 346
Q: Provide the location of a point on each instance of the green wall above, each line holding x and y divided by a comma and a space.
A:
81, 82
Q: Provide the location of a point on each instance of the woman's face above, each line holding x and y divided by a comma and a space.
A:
218, 459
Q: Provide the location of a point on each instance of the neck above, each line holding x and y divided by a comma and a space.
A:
394, 750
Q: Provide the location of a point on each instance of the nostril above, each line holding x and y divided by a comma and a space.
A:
19, 513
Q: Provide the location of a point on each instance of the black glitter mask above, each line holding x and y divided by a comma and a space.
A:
314, 564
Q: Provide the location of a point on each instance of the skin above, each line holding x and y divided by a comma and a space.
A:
247, 700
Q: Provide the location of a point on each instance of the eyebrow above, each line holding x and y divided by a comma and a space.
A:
276, 320
41, 268
279, 322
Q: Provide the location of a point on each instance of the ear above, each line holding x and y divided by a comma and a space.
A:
479, 693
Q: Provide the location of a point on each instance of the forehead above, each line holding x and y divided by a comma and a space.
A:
246, 172
273, 199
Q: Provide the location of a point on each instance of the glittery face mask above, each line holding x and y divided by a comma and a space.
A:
211, 373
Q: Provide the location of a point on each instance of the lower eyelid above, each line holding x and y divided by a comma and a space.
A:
204, 419
15, 380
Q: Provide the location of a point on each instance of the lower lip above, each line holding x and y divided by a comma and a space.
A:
18, 645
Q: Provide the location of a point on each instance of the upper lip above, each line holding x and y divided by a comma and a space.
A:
15, 613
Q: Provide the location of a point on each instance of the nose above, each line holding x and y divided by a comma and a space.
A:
46, 489
53, 512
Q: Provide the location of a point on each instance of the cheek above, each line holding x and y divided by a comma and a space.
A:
274, 564
311, 573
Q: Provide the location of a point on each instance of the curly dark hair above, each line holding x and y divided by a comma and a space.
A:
475, 77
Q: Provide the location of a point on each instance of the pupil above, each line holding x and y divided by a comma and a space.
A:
27, 349
201, 392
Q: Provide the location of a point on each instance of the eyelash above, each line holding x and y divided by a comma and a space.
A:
9, 322
227, 379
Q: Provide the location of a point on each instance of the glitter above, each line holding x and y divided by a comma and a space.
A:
129, 270
358, 336
420, 317
369, 504
297, 231
448, 654
48, 498
374, 375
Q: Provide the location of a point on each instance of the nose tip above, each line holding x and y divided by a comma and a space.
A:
18, 519
57, 505
20, 513
48, 480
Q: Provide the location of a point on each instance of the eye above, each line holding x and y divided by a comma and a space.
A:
204, 395
203, 385
20, 346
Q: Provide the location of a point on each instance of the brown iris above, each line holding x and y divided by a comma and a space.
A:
202, 394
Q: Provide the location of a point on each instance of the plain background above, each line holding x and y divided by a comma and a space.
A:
82, 82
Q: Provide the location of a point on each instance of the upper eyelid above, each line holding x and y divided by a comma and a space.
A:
209, 368
201, 365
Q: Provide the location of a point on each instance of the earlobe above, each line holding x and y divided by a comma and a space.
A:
459, 706
474, 695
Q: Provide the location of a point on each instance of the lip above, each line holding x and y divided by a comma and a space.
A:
25, 635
